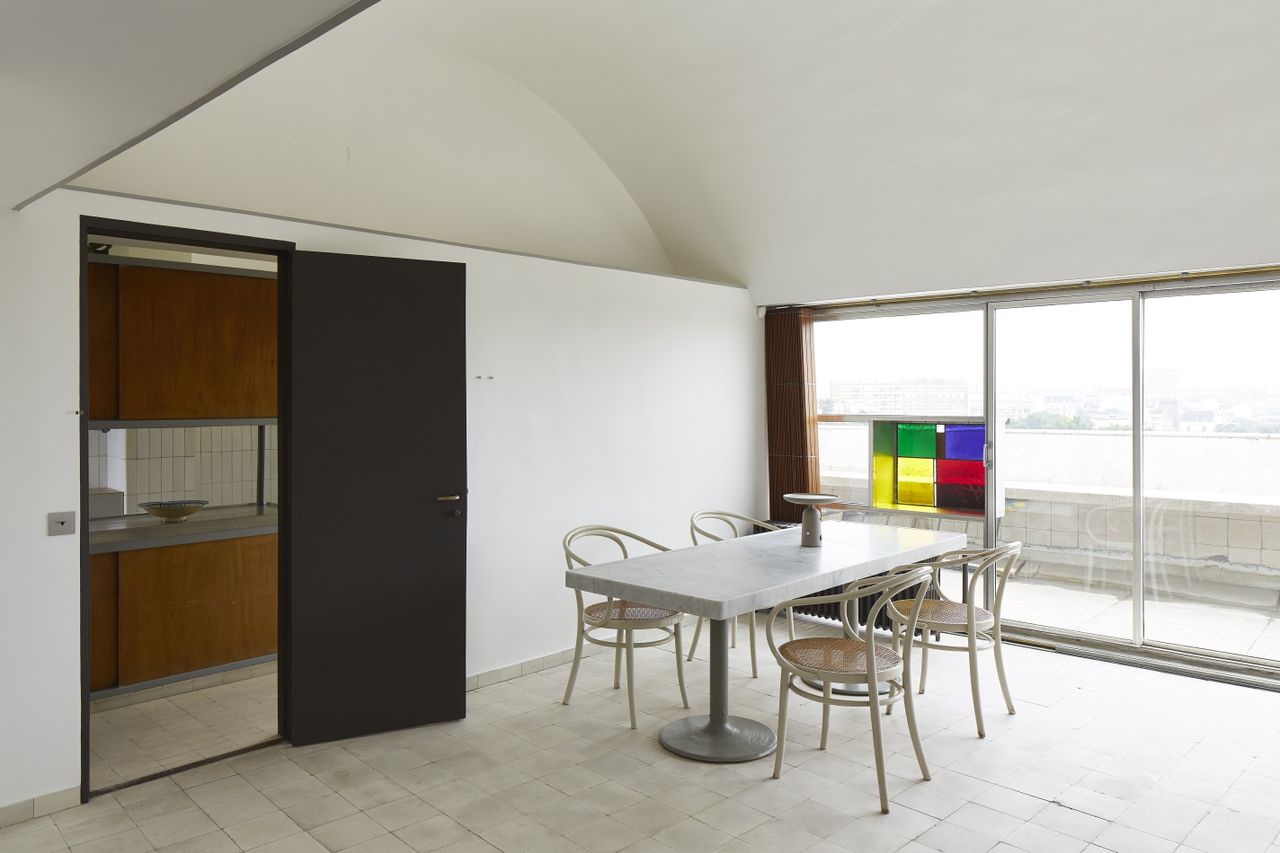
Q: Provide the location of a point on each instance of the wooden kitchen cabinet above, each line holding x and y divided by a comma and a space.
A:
103, 621
196, 344
189, 607
103, 342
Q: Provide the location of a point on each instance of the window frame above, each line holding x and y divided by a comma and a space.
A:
1238, 668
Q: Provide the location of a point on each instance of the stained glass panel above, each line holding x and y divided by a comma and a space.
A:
915, 494
915, 481
918, 440
962, 472
965, 441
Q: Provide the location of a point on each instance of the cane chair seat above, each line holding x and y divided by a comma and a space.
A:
943, 614
840, 655
952, 618
627, 611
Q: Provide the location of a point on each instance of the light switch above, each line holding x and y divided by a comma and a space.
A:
62, 523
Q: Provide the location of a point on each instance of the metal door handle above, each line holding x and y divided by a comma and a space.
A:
449, 498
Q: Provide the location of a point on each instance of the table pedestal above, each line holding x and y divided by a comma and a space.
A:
718, 737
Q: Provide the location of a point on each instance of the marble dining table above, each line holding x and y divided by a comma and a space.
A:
722, 580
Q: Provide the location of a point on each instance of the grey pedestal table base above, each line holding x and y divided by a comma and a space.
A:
718, 737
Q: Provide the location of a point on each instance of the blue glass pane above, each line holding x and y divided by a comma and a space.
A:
964, 441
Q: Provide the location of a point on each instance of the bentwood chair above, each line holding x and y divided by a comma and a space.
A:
698, 524
944, 617
853, 657
622, 617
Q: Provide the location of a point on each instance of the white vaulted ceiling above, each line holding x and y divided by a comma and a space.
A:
78, 78
812, 150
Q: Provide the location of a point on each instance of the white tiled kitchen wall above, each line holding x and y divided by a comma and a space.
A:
218, 464
106, 459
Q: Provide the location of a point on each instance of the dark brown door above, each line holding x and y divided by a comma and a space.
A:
373, 464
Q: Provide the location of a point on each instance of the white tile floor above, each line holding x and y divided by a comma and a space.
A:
137, 740
1099, 757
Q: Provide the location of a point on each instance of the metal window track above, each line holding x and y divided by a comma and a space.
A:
1175, 661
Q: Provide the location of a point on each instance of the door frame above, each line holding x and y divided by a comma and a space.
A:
283, 250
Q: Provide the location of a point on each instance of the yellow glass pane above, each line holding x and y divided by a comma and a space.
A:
882, 463
916, 494
882, 480
915, 481
914, 470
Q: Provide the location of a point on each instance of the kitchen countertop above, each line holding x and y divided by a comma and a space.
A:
131, 532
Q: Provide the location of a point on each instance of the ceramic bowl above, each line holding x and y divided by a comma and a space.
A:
171, 512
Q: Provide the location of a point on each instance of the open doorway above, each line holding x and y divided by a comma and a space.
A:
181, 497
369, 354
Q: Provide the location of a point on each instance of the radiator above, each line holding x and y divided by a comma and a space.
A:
832, 611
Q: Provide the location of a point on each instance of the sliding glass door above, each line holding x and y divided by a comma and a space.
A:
1057, 382
1064, 438
1212, 472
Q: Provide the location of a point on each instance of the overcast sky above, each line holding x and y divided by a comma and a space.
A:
1221, 340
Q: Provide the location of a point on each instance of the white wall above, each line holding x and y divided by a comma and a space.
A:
616, 397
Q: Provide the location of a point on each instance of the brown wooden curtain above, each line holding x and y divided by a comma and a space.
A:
790, 400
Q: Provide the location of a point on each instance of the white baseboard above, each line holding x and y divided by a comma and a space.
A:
39, 806
506, 673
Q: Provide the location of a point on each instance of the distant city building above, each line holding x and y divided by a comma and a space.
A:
1198, 420
1160, 384
907, 397
1016, 405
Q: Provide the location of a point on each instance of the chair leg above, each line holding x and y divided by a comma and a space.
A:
697, 632
684, 697
973, 683
617, 661
910, 710
784, 688
577, 659
826, 714
791, 625
998, 649
893, 688
631, 676
878, 743
751, 623
924, 657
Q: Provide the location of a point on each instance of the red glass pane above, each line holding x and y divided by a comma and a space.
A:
961, 472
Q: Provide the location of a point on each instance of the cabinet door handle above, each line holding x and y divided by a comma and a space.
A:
449, 498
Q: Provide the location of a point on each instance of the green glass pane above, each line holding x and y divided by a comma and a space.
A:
918, 440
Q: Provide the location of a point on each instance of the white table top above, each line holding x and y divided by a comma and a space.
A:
720, 580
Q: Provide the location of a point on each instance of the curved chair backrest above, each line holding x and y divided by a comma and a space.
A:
617, 535
883, 587
698, 525
1003, 558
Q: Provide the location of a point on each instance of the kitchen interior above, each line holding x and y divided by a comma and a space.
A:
183, 491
